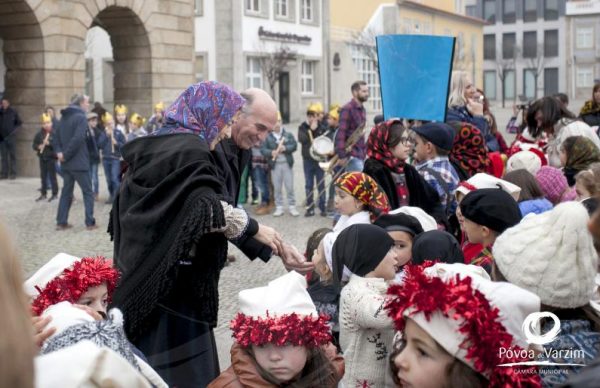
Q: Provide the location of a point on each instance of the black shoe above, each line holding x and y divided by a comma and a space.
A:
323, 213
52, 198
41, 198
3, 177
309, 213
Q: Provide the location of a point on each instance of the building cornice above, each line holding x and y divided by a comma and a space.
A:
426, 8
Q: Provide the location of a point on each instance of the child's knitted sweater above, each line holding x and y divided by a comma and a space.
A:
366, 332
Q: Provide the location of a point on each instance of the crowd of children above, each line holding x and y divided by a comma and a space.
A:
440, 254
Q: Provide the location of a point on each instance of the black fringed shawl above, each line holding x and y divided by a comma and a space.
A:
169, 199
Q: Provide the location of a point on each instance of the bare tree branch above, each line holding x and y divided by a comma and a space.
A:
364, 41
274, 63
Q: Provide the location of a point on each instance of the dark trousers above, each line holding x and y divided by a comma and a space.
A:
260, 176
48, 175
66, 196
8, 149
312, 173
112, 171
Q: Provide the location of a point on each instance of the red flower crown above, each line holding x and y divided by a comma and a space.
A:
75, 281
289, 329
484, 333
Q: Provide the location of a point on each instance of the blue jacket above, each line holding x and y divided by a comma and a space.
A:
461, 114
536, 206
70, 139
104, 144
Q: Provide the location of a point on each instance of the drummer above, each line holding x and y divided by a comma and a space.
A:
308, 131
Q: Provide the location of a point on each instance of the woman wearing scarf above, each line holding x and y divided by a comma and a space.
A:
387, 150
576, 154
590, 112
469, 154
170, 223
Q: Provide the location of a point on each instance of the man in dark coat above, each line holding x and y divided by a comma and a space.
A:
9, 122
72, 151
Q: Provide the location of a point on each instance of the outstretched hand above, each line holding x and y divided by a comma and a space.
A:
294, 260
270, 237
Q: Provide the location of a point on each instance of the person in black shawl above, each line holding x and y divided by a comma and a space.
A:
171, 221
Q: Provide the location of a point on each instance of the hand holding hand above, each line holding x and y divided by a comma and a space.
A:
294, 260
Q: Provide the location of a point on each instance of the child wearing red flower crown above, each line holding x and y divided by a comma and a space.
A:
88, 282
458, 328
280, 339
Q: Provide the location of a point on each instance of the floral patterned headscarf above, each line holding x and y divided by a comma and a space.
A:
204, 109
365, 189
378, 149
469, 151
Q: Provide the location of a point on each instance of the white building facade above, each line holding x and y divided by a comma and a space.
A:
583, 47
276, 45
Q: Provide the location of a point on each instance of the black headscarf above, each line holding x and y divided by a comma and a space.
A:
399, 223
361, 248
436, 245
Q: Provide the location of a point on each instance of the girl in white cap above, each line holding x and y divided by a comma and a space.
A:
281, 340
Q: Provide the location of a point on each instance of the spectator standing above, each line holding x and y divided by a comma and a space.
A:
260, 177
590, 112
9, 122
158, 118
92, 138
42, 145
353, 117
72, 152
111, 141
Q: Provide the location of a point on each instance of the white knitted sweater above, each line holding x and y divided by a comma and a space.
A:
366, 333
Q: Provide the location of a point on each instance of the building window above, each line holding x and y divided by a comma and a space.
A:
509, 84
307, 77
584, 37
529, 83
253, 6
199, 7
367, 71
551, 43
281, 8
489, 11
530, 44
253, 73
306, 10
550, 9
460, 46
509, 11
471, 10
529, 10
508, 45
550, 81
489, 46
489, 84
585, 77
199, 68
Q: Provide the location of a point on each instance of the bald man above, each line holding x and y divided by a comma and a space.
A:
259, 116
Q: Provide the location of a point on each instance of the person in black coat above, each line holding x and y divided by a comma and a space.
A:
72, 151
42, 145
387, 148
9, 122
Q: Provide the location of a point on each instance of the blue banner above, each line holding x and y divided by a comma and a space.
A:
414, 73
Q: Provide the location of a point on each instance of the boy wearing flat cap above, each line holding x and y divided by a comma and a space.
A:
488, 213
433, 142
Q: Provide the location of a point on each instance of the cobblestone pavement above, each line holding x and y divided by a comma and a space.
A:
32, 226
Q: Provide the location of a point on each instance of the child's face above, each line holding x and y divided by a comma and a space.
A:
96, 298
121, 117
474, 231
321, 267
403, 246
562, 154
388, 267
421, 149
402, 149
459, 216
422, 363
332, 122
133, 125
282, 362
582, 192
346, 204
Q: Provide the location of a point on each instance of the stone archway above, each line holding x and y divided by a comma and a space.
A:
44, 45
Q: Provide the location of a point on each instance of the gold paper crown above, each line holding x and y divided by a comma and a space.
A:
46, 118
159, 107
120, 109
137, 119
316, 107
334, 112
107, 117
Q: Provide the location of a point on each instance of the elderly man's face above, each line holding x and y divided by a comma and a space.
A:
5, 103
252, 128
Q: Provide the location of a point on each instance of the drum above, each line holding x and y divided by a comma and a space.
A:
321, 148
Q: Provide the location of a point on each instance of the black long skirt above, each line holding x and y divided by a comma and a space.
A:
180, 348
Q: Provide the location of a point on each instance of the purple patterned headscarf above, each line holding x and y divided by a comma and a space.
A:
204, 109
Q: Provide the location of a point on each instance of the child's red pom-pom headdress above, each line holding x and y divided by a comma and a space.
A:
470, 316
71, 282
281, 313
